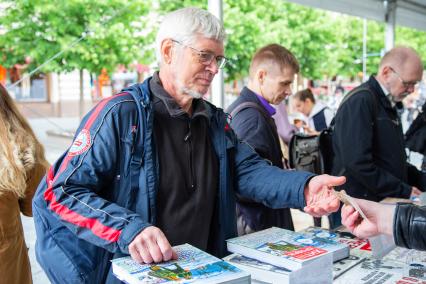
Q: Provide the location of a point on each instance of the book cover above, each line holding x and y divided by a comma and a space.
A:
376, 271
346, 264
328, 240
357, 247
192, 266
267, 273
279, 247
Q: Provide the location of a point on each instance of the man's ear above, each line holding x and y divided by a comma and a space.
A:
167, 50
385, 71
260, 75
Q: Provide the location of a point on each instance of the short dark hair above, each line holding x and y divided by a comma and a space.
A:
304, 95
274, 54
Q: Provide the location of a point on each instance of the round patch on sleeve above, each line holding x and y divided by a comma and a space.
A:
81, 143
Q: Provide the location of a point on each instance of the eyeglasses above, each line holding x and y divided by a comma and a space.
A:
405, 83
206, 58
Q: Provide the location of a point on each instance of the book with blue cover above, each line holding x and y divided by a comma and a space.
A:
192, 266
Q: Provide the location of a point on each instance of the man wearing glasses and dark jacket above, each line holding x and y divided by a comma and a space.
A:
368, 141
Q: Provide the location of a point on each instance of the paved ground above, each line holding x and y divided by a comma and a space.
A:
54, 147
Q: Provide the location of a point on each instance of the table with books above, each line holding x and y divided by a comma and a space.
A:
275, 255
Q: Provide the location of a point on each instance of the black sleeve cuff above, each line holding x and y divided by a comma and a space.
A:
410, 226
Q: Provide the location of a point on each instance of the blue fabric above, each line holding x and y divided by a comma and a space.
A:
319, 121
112, 184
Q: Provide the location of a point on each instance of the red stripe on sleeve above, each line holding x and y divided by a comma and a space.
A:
100, 230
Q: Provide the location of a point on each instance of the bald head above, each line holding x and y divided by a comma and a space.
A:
402, 57
399, 71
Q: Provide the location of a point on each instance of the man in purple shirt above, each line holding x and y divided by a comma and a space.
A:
271, 74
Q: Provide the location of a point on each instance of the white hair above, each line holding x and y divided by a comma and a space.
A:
185, 24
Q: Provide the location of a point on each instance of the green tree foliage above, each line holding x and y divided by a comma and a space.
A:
413, 38
113, 31
121, 31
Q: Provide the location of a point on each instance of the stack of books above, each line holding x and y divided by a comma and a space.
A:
192, 266
277, 255
382, 262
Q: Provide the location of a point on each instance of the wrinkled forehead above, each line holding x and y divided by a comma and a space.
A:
206, 44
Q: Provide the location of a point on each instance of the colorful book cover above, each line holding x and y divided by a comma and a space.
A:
192, 266
279, 247
327, 240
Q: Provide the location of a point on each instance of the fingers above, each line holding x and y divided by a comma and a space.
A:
334, 181
134, 253
166, 249
346, 211
151, 246
325, 204
349, 217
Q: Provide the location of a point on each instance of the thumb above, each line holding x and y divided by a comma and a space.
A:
333, 180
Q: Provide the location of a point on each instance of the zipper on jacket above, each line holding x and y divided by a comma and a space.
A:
188, 139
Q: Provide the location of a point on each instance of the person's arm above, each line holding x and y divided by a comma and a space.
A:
416, 178
410, 226
354, 123
79, 192
34, 177
277, 188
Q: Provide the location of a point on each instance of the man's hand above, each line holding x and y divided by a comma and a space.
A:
151, 245
318, 195
415, 191
379, 218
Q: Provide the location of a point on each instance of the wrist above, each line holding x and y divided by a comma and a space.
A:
385, 222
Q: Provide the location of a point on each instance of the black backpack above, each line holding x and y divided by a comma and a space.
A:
314, 153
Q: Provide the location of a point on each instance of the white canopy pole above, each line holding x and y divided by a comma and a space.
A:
217, 88
390, 17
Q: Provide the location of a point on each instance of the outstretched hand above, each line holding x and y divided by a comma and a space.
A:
319, 197
379, 218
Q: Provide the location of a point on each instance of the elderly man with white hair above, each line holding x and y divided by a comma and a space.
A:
157, 166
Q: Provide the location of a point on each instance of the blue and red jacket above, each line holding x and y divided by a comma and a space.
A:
102, 192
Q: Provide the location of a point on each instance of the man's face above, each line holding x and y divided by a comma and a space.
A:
276, 84
402, 81
304, 107
192, 75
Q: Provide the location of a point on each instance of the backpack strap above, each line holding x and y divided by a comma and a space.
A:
245, 105
353, 92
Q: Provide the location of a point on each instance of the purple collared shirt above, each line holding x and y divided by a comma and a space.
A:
270, 109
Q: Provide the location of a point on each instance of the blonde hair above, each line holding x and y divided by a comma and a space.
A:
20, 150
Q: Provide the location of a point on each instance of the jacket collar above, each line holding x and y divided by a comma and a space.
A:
252, 96
198, 105
378, 91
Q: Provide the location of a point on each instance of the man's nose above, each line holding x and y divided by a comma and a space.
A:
213, 67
